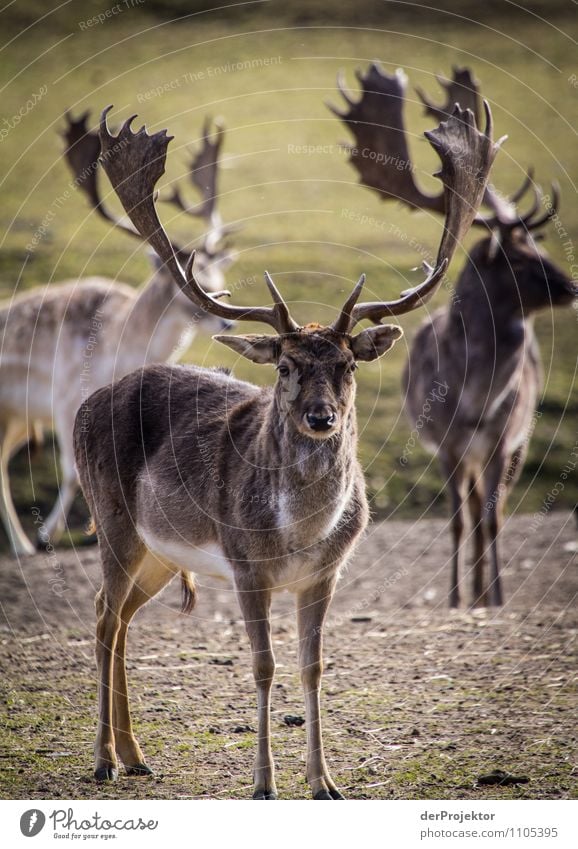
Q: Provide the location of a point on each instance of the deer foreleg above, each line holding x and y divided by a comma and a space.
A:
311, 610
255, 605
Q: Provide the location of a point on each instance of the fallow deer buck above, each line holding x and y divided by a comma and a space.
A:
482, 347
63, 341
171, 458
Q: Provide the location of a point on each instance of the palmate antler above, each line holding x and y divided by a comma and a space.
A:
462, 89
134, 162
204, 174
83, 149
381, 153
465, 90
466, 155
82, 154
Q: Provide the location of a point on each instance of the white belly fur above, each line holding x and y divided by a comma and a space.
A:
207, 560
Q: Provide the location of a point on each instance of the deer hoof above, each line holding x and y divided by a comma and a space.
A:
264, 794
323, 794
139, 769
106, 773
42, 543
335, 794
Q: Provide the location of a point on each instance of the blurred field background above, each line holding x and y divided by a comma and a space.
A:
300, 215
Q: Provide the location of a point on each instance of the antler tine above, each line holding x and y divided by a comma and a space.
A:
462, 89
134, 163
528, 181
380, 153
281, 308
466, 155
550, 213
277, 316
342, 86
506, 218
343, 321
536, 203
504, 213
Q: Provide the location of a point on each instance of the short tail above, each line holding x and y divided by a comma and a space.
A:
90, 527
36, 435
188, 593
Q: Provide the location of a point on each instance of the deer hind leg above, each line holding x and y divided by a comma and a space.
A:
55, 523
119, 573
52, 529
153, 575
312, 607
455, 482
475, 503
12, 436
255, 603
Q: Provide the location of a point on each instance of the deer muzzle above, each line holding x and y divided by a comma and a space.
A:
320, 419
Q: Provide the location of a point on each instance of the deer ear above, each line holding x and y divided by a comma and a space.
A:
258, 349
375, 341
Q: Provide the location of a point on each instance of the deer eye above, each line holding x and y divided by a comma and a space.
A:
345, 370
283, 371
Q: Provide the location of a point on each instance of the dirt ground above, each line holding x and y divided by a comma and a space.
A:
418, 701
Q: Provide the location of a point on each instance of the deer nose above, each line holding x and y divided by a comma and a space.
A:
321, 420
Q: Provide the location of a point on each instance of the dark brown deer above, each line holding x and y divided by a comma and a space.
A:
481, 349
61, 342
187, 469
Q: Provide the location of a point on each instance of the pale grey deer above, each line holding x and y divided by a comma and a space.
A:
170, 459
62, 341
481, 349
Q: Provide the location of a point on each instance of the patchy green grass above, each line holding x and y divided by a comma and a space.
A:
294, 210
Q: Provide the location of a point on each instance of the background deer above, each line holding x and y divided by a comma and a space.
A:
482, 348
61, 342
170, 457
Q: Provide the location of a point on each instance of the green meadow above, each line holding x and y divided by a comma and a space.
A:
286, 184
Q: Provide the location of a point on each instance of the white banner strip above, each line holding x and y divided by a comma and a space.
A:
230, 824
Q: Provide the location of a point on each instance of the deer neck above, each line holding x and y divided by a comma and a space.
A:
487, 339
310, 481
158, 323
